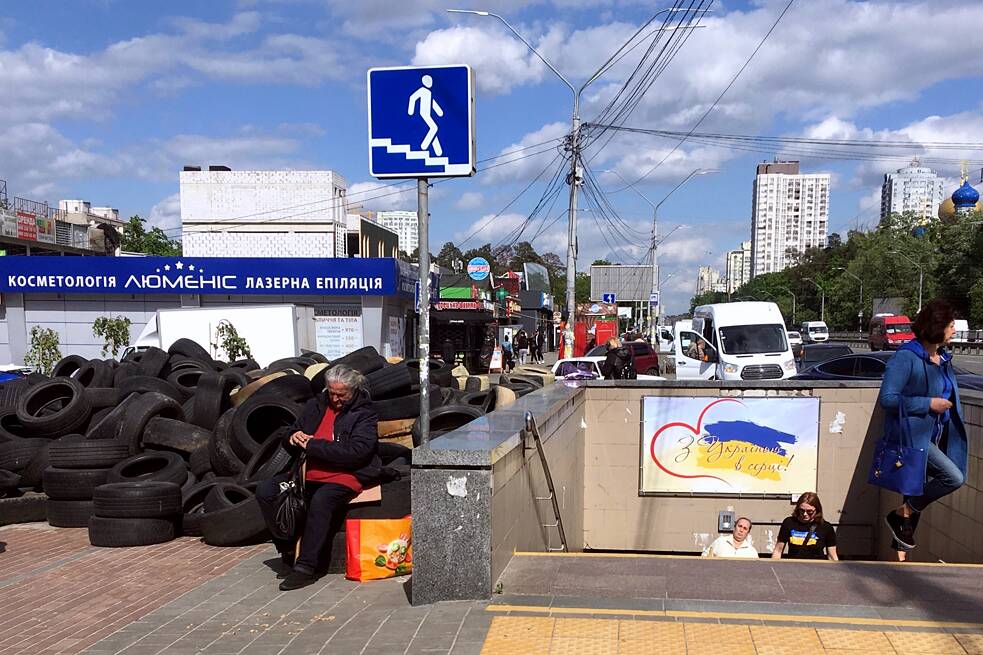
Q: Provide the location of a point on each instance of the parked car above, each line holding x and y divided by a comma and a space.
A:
10, 372
646, 358
586, 368
870, 366
814, 332
795, 341
889, 332
814, 353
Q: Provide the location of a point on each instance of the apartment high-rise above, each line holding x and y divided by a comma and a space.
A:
789, 213
914, 188
405, 224
709, 279
738, 267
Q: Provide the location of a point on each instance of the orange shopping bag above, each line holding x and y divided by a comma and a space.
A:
378, 548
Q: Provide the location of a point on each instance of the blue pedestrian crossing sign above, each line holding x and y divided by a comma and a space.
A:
421, 121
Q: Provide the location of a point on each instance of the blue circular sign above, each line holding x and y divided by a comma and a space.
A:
479, 268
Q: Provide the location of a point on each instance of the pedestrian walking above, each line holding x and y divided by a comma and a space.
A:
522, 345
920, 397
537, 345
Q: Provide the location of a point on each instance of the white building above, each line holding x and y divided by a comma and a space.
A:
405, 224
227, 213
738, 267
915, 189
709, 279
789, 213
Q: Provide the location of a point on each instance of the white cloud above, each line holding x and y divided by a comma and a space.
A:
166, 214
527, 158
470, 200
685, 250
488, 229
381, 197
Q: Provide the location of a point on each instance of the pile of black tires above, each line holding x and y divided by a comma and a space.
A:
169, 443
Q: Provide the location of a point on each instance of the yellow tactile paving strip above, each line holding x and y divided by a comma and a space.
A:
525, 635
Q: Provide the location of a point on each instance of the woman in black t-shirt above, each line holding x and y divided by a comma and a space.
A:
808, 536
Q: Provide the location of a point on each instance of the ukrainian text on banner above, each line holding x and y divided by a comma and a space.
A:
203, 275
729, 445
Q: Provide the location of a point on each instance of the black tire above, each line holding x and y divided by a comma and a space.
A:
117, 533
391, 380
87, 453
28, 508
95, 373
191, 349
69, 513
238, 525
530, 379
177, 363
193, 507
224, 460
36, 378
407, 406
152, 362
145, 384
101, 398
16, 454
32, 477
364, 360
123, 371
144, 408
156, 466
270, 460
245, 364
256, 420
10, 426
520, 387
236, 376
8, 480
211, 399
440, 373
200, 461
483, 399
295, 388
186, 380
72, 484
316, 356
225, 494
65, 396
178, 436
447, 418
110, 425
137, 500
10, 391
67, 366
296, 364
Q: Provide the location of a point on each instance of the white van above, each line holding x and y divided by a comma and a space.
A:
814, 332
734, 341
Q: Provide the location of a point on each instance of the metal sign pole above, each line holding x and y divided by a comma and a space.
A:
423, 219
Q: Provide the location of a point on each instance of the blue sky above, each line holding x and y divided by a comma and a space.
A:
106, 100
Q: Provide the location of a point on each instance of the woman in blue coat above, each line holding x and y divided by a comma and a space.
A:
920, 375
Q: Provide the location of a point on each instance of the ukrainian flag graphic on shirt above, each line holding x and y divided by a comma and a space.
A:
797, 537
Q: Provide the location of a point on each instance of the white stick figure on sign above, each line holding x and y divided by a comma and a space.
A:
427, 105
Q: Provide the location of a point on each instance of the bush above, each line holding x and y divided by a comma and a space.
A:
44, 351
228, 339
114, 331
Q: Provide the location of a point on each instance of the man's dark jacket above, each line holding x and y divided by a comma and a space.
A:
355, 447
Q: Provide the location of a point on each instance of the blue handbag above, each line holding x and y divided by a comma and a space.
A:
897, 465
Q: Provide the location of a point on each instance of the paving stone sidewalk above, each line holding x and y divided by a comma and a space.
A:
61, 595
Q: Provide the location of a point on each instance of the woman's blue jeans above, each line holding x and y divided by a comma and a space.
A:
942, 478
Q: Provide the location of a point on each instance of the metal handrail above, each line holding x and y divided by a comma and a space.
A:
533, 429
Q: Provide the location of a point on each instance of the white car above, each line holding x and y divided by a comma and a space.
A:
586, 368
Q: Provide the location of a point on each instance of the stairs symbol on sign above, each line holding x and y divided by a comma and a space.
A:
408, 152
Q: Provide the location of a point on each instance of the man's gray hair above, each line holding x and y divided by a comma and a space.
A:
349, 377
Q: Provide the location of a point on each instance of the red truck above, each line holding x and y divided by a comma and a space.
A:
889, 332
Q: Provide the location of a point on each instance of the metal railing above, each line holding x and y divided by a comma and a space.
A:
971, 342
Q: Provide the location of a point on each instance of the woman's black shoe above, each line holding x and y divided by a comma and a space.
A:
297, 580
902, 528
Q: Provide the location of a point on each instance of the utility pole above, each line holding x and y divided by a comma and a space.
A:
574, 147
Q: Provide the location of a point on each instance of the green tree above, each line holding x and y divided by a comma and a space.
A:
115, 333
600, 262
44, 352
136, 238
581, 288
227, 338
449, 254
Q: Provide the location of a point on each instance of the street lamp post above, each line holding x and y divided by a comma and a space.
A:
860, 311
921, 274
793, 303
822, 302
574, 177
656, 286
